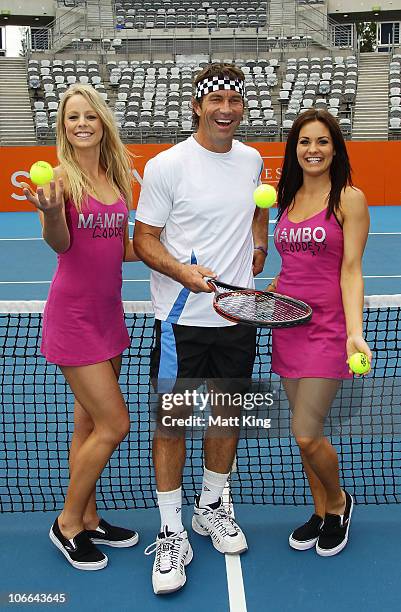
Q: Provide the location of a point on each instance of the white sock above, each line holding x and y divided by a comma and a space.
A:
170, 503
212, 487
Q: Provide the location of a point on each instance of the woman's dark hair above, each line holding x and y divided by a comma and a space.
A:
216, 69
292, 176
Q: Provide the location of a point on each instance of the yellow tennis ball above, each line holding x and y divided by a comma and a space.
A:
41, 172
359, 363
264, 196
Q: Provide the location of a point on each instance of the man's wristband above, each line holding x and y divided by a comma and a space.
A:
260, 248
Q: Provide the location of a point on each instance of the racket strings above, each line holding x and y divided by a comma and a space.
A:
259, 307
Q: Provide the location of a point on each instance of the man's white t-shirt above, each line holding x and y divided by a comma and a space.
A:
204, 203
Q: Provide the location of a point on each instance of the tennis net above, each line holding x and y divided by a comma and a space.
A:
36, 422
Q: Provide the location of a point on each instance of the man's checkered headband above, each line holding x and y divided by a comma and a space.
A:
217, 82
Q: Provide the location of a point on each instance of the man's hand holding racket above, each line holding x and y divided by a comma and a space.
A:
192, 277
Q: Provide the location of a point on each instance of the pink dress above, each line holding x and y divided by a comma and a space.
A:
311, 253
83, 321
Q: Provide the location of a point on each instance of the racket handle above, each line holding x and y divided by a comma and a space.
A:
210, 282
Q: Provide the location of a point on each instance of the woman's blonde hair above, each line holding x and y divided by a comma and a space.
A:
115, 159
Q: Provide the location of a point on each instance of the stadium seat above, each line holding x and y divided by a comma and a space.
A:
333, 111
116, 44
287, 125
394, 129
345, 126
268, 113
321, 103
34, 82
271, 128
334, 102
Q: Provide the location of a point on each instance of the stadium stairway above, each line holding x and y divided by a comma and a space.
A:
282, 17
100, 12
16, 120
371, 102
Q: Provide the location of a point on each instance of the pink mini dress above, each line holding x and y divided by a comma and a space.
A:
311, 255
83, 321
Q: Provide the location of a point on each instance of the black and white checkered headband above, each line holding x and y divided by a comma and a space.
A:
217, 82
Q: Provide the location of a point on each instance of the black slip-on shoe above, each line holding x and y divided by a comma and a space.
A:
119, 537
79, 550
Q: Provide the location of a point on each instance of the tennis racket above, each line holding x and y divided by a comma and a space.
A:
257, 308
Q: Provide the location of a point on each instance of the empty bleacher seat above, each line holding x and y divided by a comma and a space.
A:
345, 126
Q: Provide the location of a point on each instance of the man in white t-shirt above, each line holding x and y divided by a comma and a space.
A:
196, 218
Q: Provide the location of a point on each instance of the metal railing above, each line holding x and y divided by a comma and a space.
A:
142, 135
64, 27
231, 46
71, 3
325, 29
152, 47
317, 26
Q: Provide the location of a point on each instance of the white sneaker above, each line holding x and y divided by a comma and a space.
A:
173, 553
214, 520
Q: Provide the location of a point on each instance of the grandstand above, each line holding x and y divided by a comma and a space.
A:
142, 56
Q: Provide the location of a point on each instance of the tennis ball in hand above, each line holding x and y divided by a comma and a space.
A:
264, 196
359, 363
41, 173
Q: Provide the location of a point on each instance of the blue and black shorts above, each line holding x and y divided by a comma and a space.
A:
184, 356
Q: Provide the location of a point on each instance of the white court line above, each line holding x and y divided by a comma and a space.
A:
235, 582
47, 282
272, 222
25, 282
146, 280
387, 276
270, 235
370, 234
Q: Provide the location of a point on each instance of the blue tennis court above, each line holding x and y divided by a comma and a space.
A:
20, 242
270, 575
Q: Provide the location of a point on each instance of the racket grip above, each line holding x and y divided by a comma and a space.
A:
210, 282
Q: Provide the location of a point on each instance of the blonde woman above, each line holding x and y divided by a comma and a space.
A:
84, 214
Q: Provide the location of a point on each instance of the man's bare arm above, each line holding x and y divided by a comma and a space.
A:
148, 247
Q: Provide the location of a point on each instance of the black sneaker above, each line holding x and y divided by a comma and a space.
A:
113, 536
306, 536
79, 550
334, 535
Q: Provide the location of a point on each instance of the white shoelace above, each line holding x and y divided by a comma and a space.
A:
167, 551
224, 522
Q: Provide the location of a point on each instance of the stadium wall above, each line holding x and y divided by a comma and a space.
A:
28, 7
356, 6
376, 167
